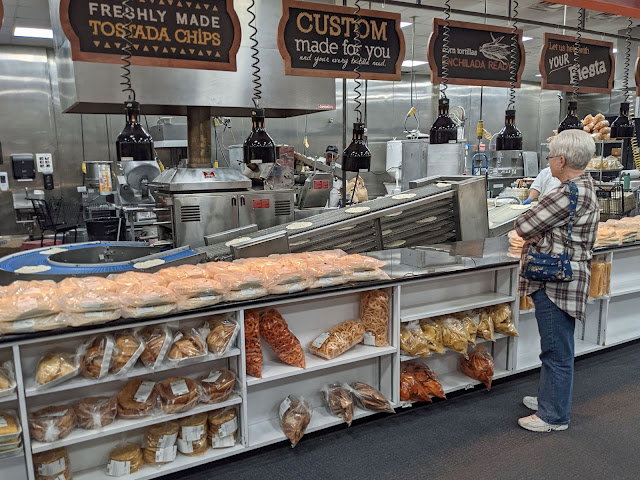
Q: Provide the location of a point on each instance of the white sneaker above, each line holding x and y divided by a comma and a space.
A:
531, 403
534, 424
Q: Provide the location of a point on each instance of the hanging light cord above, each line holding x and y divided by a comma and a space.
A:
413, 111
358, 44
257, 86
627, 60
446, 32
513, 71
126, 52
576, 54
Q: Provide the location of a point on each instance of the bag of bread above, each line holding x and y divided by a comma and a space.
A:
133, 279
88, 294
454, 335
56, 367
138, 398
289, 288
10, 428
502, 319
223, 330
295, 416
276, 333
157, 340
478, 366
338, 400
526, 303
374, 315
148, 312
328, 282
192, 436
28, 300
433, 333
52, 465
413, 341
197, 292
147, 295
411, 390
253, 349
51, 424
124, 460
127, 348
597, 285
427, 378
96, 359
223, 427
217, 386
7, 379
96, 412
184, 304
368, 398
81, 319
189, 346
244, 294
173, 274
485, 325
235, 277
178, 395
337, 340
159, 443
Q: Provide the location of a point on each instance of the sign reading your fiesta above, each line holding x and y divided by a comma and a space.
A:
595, 70
203, 34
318, 40
479, 54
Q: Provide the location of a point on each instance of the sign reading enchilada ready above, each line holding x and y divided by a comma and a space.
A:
318, 40
202, 34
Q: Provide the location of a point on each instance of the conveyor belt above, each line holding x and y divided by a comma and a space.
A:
426, 217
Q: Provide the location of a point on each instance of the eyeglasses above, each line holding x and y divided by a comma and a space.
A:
552, 156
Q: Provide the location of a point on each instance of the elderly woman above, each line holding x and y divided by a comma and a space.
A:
558, 305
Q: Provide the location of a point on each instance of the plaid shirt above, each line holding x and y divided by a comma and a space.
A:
549, 220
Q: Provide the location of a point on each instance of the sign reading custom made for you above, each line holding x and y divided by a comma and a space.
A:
478, 54
203, 34
318, 40
595, 70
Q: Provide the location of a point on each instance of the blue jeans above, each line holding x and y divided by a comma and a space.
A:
557, 342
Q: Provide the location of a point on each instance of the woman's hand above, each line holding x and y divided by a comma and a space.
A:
535, 240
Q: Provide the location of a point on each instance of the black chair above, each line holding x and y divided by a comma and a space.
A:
56, 216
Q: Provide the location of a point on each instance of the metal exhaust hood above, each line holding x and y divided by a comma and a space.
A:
88, 87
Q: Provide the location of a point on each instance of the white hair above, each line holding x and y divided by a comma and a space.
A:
576, 146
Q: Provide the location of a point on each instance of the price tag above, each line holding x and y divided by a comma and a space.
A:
144, 310
223, 442
228, 428
179, 387
185, 446
144, 390
166, 441
24, 325
190, 434
118, 469
3, 422
284, 406
369, 339
213, 376
165, 455
53, 468
320, 339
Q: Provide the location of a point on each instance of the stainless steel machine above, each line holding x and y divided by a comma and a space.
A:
205, 201
501, 168
421, 159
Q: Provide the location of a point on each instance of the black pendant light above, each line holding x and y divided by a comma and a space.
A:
259, 147
133, 142
622, 126
571, 121
510, 138
357, 156
443, 129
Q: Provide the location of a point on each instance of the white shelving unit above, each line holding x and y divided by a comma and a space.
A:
611, 320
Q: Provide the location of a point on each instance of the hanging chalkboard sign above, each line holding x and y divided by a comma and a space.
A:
202, 34
596, 69
638, 73
317, 40
1, 13
478, 54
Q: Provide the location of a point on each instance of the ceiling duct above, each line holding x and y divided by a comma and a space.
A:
88, 87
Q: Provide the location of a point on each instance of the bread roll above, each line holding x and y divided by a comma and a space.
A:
54, 366
178, 395
128, 452
217, 386
96, 412
137, 398
125, 348
51, 424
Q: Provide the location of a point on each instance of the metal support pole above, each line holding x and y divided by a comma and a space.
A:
199, 136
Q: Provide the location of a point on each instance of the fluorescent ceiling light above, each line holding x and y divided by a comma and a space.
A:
32, 32
526, 39
405, 24
615, 50
413, 63
538, 75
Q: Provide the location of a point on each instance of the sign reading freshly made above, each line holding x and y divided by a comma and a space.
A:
595, 70
478, 54
318, 40
203, 34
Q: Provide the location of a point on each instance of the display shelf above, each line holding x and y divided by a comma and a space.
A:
454, 381
406, 358
582, 347
276, 369
528, 360
9, 398
269, 431
148, 472
622, 330
624, 290
453, 305
79, 435
526, 312
80, 382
